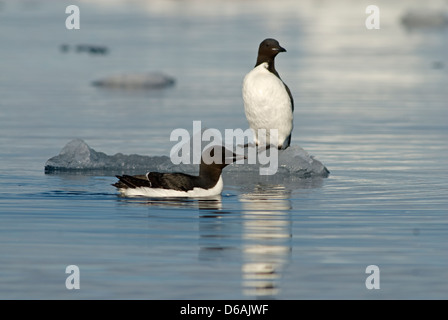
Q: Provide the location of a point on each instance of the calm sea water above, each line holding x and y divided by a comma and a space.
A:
370, 104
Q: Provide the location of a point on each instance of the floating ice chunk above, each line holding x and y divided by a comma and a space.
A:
297, 160
136, 81
77, 156
292, 161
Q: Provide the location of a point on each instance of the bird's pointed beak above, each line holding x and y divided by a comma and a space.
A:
281, 49
235, 157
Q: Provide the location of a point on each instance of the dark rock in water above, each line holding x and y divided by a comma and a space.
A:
136, 81
92, 49
87, 48
425, 19
438, 65
64, 48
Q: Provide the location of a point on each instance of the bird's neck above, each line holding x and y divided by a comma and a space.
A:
270, 62
209, 173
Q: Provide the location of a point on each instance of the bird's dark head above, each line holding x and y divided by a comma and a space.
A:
219, 157
270, 48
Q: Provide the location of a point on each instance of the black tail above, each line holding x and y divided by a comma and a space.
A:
126, 181
287, 144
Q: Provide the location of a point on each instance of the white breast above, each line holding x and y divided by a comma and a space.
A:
267, 104
169, 193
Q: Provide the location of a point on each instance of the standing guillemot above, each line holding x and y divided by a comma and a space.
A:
207, 183
268, 102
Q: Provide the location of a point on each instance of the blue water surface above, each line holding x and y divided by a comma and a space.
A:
369, 104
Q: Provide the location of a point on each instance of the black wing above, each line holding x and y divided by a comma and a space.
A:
290, 96
292, 107
173, 181
126, 181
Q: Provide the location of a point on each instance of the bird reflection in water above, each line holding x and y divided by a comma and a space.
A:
266, 238
207, 203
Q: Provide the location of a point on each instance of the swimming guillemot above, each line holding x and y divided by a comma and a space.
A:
207, 183
268, 102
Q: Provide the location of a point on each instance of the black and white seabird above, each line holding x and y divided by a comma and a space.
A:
207, 183
268, 102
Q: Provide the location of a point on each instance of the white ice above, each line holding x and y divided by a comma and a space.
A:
154, 80
77, 156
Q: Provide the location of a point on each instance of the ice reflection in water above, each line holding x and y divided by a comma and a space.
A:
266, 238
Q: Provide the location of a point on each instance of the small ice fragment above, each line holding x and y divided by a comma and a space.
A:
153, 80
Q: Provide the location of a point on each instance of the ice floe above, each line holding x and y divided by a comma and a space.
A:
78, 157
